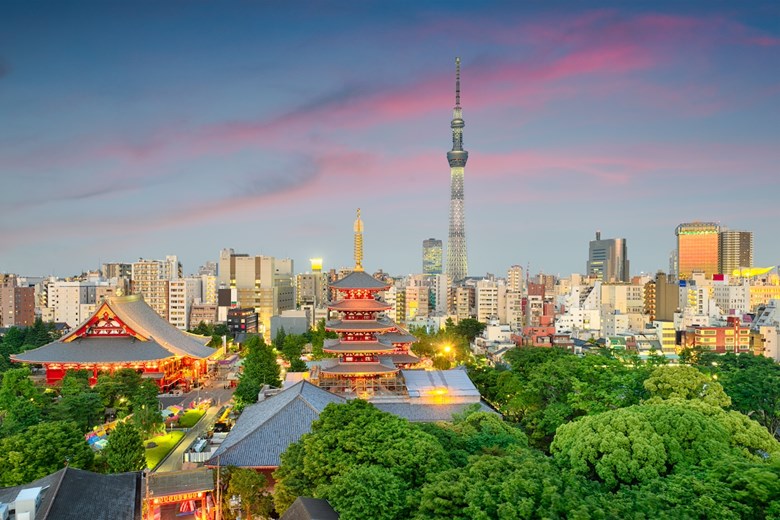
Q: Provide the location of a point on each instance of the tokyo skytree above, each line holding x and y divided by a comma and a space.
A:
457, 257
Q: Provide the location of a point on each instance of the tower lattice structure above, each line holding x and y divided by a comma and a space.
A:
457, 256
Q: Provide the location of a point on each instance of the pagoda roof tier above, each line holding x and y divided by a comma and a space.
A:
359, 325
364, 304
396, 337
96, 350
343, 347
360, 280
360, 369
405, 358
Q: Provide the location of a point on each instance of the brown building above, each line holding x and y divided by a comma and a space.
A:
17, 304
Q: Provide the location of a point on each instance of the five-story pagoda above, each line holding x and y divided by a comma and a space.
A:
368, 342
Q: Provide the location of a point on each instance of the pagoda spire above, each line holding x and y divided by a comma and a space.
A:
358, 229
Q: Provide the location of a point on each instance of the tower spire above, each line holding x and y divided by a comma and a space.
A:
457, 82
358, 229
457, 258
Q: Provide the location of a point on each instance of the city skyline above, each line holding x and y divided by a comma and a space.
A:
145, 130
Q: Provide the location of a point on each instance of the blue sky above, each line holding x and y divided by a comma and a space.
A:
140, 129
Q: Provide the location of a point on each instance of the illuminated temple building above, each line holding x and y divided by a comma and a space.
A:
124, 332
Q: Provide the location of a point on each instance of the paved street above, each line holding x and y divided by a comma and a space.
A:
220, 395
175, 458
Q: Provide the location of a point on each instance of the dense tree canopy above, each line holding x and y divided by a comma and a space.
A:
43, 449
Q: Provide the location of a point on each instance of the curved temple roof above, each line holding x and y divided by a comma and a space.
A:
154, 339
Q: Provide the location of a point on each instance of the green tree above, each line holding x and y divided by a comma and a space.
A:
43, 449
353, 434
685, 382
250, 487
469, 328
125, 450
85, 409
753, 383
259, 368
521, 484
367, 491
638, 444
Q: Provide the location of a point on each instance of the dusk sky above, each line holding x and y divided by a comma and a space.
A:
140, 129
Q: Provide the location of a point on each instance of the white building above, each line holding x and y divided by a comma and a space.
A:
182, 293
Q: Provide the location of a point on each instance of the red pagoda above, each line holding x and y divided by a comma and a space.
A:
124, 332
371, 348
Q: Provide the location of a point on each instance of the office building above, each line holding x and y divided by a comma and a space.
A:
608, 259
697, 249
735, 250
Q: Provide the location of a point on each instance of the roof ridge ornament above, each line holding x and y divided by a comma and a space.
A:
358, 229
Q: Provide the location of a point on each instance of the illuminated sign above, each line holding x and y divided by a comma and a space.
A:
179, 497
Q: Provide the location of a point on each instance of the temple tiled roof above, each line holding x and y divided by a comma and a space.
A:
359, 325
359, 280
396, 337
338, 346
364, 304
175, 482
137, 314
384, 366
403, 359
265, 429
74, 494
95, 350
163, 339
305, 508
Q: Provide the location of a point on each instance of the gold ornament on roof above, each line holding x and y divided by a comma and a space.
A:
358, 229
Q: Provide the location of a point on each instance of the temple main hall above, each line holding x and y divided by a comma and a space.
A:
125, 332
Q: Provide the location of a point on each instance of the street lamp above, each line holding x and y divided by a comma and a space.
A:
448, 351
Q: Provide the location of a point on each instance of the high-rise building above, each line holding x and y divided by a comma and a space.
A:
514, 279
697, 249
17, 303
151, 278
608, 259
457, 256
431, 256
263, 283
735, 250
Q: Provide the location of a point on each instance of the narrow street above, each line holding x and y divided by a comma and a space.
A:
220, 397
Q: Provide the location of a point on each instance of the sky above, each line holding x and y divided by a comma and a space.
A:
144, 129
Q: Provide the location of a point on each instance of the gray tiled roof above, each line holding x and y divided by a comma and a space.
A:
137, 314
74, 494
175, 482
265, 429
403, 359
305, 508
428, 412
396, 337
95, 350
359, 280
